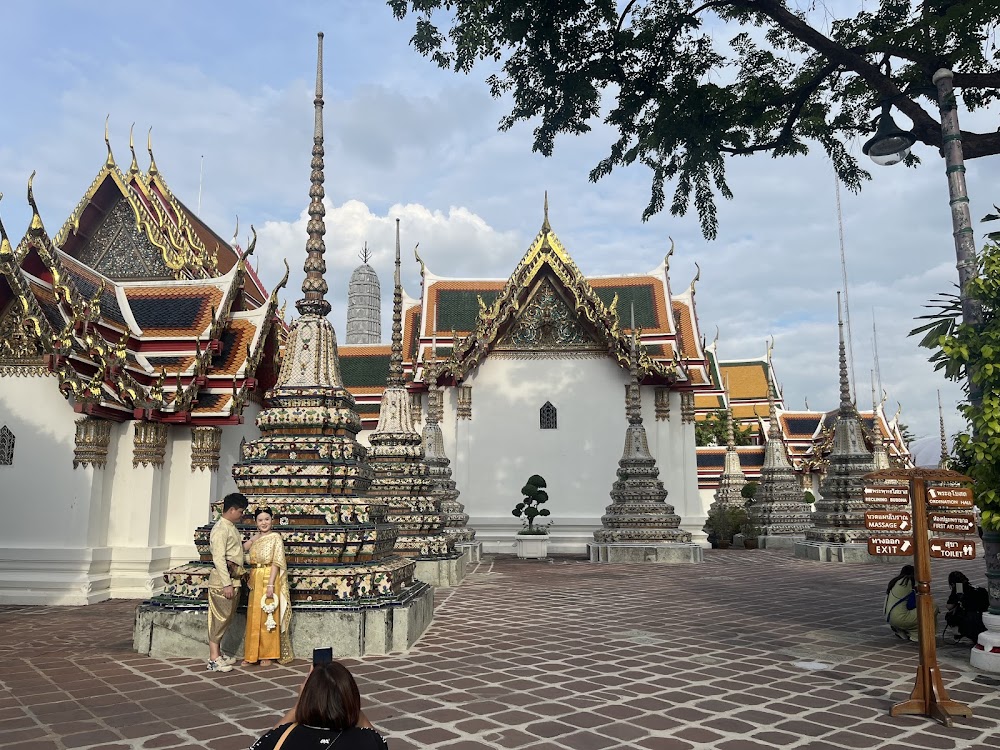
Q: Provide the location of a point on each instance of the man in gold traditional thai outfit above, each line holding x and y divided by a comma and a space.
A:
224, 580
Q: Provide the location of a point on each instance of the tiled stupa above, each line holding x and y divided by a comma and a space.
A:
401, 477
732, 480
639, 525
443, 487
364, 304
778, 510
839, 533
348, 588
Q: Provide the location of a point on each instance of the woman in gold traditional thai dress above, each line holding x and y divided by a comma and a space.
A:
269, 611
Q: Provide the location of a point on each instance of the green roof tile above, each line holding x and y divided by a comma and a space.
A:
458, 308
640, 296
365, 370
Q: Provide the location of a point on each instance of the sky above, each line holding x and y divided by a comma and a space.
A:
227, 90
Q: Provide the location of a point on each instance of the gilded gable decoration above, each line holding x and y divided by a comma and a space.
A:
149, 444
6, 446
546, 322
93, 436
206, 442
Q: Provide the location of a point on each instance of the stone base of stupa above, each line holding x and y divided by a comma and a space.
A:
640, 552
473, 551
352, 630
986, 655
838, 552
444, 572
779, 541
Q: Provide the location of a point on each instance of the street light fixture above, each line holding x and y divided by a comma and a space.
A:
890, 144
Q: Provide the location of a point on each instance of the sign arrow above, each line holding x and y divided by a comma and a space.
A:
935, 547
905, 546
904, 524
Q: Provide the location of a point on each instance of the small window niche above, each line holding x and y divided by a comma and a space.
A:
547, 416
6, 446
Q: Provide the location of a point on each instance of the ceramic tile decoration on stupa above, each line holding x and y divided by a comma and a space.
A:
639, 525
778, 510
732, 480
348, 588
443, 487
402, 478
839, 533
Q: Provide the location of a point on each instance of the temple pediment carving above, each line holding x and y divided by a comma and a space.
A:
548, 322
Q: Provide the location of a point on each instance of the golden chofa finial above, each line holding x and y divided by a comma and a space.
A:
107, 142
149, 147
36, 220
546, 227
134, 166
5, 249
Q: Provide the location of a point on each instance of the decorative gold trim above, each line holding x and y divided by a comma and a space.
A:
149, 444
93, 436
206, 442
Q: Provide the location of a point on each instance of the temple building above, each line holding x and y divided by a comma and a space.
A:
134, 345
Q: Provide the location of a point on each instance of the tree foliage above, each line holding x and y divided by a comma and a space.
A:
714, 429
686, 83
530, 506
961, 349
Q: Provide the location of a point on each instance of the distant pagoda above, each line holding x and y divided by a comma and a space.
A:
309, 468
839, 534
639, 525
778, 510
364, 304
732, 480
401, 477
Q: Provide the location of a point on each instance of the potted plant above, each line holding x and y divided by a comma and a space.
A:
750, 535
533, 539
723, 523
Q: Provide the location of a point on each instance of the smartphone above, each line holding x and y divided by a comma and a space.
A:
959, 588
322, 656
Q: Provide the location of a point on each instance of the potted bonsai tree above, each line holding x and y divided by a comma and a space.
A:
722, 523
533, 539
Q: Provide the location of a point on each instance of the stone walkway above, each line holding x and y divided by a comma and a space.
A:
752, 649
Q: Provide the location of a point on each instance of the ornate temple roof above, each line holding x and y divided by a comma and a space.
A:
467, 319
130, 330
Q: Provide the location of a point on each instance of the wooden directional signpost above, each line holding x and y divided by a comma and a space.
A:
928, 698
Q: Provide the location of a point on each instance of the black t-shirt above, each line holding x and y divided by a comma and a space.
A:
317, 738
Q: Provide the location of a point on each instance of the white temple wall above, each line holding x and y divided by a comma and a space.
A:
229, 453
50, 550
672, 444
495, 451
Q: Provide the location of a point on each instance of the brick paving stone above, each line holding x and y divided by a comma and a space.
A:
621, 665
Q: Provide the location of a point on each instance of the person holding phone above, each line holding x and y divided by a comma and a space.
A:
327, 713
966, 604
901, 605
269, 606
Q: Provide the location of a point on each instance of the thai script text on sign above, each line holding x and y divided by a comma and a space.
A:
887, 520
888, 495
950, 497
889, 545
954, 523
954, 549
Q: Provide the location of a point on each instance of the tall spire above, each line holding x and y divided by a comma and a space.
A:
943, 463
546, 227
846, 406
314, 286
396, 357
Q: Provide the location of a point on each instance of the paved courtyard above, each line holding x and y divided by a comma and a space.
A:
752, 649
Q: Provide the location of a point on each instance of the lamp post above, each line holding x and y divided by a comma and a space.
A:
890, 145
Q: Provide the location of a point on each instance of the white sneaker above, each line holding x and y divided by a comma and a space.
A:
219, 666
230, 660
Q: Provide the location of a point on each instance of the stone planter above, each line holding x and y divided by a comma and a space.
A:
991, 546
532, 546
